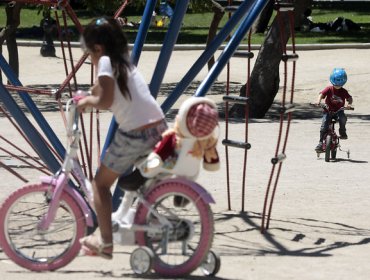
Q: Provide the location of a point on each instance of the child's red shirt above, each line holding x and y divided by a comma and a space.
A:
335, 98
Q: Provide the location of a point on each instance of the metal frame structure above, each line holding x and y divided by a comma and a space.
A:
241, 21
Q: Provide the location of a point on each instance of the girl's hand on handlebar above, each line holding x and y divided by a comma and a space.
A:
82, 104
349, 107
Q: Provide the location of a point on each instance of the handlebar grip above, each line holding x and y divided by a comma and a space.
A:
77, 98
80, 94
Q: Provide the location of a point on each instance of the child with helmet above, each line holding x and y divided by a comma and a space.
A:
335, 97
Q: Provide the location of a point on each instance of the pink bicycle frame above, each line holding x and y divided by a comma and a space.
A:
61, 184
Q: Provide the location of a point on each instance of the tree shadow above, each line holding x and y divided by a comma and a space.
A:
302, 111
110, 274
305, 111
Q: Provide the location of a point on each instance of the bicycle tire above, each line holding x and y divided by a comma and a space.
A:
334, 154
328, 148
34, 249
174, 263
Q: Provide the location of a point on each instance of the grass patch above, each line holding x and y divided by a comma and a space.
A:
195, 27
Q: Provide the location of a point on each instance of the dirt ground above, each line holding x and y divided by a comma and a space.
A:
319, 227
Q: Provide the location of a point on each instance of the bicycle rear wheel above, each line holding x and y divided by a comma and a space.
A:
193, 228
30, 247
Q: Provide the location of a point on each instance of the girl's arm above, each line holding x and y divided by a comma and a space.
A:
102, 95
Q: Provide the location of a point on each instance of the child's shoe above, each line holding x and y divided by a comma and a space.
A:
319, 147
92, 245
343, 136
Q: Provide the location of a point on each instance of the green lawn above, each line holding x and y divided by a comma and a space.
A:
195, 27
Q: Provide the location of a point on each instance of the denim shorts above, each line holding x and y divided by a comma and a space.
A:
128, 146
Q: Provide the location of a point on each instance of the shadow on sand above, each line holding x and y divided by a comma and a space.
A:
276, 241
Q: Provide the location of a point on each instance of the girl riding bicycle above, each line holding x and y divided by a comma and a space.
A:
121, 88
335, 97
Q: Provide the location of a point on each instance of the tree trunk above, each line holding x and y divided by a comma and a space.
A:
218, 13
8, 34
263, 19
265, 77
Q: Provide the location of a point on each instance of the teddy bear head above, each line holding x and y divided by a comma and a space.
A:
197, 118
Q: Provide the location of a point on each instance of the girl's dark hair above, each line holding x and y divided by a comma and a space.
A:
108, 33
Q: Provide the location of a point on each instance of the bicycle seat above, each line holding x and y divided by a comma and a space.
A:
132, 181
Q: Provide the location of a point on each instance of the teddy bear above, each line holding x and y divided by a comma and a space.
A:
189, 144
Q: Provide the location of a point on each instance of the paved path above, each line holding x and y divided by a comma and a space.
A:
319, 228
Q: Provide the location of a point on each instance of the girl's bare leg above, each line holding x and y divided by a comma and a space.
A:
103, 201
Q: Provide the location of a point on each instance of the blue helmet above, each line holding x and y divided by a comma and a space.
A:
338, 77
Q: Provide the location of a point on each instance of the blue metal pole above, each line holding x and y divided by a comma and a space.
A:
143, 31
167, 47
231, 47
43, 124
29, 130
207, 54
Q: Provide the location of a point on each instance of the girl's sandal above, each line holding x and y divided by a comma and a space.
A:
94, 246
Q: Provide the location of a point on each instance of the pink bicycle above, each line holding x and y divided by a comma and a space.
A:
169, 218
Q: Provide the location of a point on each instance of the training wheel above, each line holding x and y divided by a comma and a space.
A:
141, 260
211, 265
348, 153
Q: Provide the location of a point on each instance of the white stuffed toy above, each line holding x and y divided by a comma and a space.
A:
189, 143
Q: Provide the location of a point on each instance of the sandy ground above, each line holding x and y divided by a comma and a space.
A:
319, 227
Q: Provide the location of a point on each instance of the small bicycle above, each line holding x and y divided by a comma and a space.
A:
331, 139
169, 218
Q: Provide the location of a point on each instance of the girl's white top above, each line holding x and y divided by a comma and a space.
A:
142, 109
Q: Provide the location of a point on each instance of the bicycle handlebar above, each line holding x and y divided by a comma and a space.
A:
324, 106
72, 112
72, 116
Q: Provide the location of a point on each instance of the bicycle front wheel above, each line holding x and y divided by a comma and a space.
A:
182, 249
30, 247
328, 145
